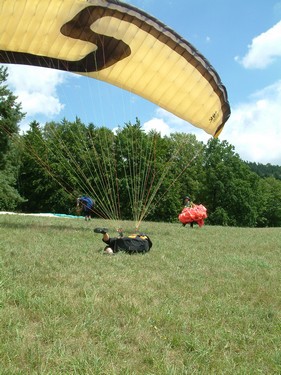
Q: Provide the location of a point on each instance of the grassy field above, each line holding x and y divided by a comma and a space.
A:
203, 301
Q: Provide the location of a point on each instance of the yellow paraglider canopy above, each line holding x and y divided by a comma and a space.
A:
120, 44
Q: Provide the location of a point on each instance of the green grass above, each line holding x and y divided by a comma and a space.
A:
203, 301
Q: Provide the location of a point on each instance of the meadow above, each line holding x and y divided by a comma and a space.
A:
202, 301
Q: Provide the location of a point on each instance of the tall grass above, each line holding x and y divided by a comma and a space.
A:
203, 301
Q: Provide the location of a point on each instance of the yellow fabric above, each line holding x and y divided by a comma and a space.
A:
119, 44
143, 237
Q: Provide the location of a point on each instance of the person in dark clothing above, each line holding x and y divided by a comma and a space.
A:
134, 243
85, 205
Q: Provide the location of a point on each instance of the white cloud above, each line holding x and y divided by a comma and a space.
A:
39, 103
167, 123
159, 125
254, 128
264, 49
36, 89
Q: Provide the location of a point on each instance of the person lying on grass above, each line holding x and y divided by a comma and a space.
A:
132, 244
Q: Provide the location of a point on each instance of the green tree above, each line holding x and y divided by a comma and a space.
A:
38, 182
188, 168
165, 181
230, 186
134, 153
10, 116
266, 170
269, 202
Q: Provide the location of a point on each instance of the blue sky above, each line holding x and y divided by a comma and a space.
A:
240, 38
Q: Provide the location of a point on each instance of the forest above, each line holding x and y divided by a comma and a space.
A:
129, 173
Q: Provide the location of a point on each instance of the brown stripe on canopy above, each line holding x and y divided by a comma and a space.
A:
119, 44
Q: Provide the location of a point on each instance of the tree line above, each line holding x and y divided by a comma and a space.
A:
44, 169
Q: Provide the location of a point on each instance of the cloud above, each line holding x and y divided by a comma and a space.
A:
167, 123
36, 89
254, 127
159, 125
263, 50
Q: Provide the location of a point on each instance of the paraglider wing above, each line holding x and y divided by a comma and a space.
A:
197, 214
119, 44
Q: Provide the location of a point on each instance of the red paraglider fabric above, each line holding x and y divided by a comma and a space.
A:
197, 214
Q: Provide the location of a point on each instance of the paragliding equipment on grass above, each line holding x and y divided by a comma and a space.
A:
194, 214
117, 43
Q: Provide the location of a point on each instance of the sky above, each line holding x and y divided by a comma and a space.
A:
240, 38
